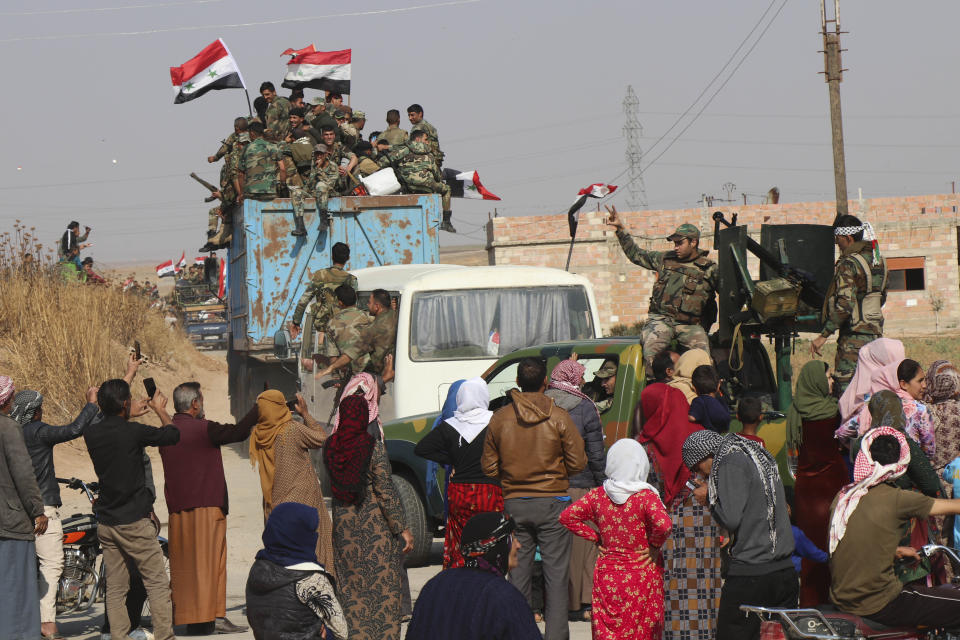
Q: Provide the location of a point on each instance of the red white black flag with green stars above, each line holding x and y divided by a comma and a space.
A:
212, 68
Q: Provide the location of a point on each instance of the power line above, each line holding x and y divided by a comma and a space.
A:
298, 19
154, 5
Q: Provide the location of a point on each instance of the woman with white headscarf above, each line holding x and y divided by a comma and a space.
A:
458, 442
632, 524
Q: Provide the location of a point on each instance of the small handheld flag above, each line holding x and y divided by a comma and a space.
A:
596, 190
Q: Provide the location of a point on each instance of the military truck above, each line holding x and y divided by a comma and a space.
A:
201, 312
783, 302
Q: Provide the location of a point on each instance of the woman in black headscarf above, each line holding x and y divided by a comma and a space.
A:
475, 602
288, 594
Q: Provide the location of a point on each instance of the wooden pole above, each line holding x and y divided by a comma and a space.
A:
833, 72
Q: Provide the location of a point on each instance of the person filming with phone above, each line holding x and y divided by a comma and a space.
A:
126, 530
196, 492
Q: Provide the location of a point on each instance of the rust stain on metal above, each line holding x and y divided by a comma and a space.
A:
384, 219
370, 263
275, 232
407, 257
256, 312
403, 224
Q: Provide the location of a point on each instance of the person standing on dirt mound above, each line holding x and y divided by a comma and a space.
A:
683, 299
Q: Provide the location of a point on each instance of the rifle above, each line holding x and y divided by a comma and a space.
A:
207, 185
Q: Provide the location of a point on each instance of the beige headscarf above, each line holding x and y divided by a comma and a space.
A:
689, 361
274, 417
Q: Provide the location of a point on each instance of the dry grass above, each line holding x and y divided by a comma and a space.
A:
61, 337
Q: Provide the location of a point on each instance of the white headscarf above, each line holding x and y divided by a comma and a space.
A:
627, 470
473, 413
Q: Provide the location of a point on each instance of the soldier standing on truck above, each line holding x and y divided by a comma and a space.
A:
322, 285
683, 299
261, 167
854, 301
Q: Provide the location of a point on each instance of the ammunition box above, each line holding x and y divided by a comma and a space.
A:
776, 298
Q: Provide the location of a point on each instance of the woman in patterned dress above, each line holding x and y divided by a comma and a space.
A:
691, 555
632, 523
367, 527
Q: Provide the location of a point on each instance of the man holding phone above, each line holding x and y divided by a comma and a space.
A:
195, 488
123, 510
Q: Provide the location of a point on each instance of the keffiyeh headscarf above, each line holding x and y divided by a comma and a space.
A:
364, 385
486, 541
25, 405
700, 445
6, 389
943, 400
867, 473
348, 451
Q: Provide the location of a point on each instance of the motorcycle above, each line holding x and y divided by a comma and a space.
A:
82, 582
828, 623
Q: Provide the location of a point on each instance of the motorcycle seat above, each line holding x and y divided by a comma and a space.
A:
828, 610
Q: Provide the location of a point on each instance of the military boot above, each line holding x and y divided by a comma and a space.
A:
300, 230
446, 225
324, 216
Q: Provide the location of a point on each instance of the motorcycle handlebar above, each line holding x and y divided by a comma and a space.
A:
80, 485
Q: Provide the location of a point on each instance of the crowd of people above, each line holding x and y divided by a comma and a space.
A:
298, 150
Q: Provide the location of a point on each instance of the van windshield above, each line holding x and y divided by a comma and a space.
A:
487, 323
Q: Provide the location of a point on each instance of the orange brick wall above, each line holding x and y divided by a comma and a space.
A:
907, 227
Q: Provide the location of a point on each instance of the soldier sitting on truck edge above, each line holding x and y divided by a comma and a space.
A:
229, 183
417, 171
322, 285
378, 339
683, 294
345, 334
853, 304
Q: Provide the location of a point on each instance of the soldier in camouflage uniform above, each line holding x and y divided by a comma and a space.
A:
415, 115
261, 167
393, 134
278, 111
417, 171
853, 301
239, 126
338, 153
601, 389
321, 287
366, 164
345, 335
378, 340
683, 294
229, 183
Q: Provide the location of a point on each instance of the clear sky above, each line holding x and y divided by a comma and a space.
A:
527, 93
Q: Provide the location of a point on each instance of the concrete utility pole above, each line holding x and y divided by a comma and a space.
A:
833, 73
632, 131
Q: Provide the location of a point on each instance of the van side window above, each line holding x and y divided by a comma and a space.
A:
487, 323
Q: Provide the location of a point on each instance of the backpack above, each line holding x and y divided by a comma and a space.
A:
870, 308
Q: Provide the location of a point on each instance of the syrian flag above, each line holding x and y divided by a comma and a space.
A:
212, 68
166, 269
182, 263
199, 260
466, 184
222, 280
325, 70
299, 52
597, 190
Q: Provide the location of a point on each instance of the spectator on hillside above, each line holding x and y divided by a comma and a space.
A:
89, 275
565, 382
40, 439
195, 489
71, 239
21, 519
533, 447
125, 505
474, 602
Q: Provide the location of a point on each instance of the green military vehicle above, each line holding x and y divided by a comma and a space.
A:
783, 302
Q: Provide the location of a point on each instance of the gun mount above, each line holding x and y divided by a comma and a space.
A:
795, 268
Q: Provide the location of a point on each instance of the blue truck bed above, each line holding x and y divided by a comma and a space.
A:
268, 269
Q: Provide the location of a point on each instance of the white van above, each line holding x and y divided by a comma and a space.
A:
455, 321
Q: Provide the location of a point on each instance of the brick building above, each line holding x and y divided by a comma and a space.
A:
918, 235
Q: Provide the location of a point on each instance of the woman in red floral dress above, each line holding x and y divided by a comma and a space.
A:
633, 523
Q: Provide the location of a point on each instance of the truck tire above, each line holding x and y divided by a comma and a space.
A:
416, 518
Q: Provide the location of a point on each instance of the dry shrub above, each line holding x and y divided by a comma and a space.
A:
61, 337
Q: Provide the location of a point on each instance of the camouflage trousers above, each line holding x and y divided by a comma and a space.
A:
213, 220
433, 187
225, 235
298, 197
848, 349
660, 330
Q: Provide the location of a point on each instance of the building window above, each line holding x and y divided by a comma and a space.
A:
905, 274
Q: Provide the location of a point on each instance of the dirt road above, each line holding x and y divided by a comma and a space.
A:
244, 523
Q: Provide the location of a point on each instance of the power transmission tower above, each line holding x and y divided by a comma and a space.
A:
632, 131
833, 74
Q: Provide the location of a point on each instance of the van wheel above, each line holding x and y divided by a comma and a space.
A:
415, 515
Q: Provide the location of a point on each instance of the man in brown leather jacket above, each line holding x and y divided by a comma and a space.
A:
533, 447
